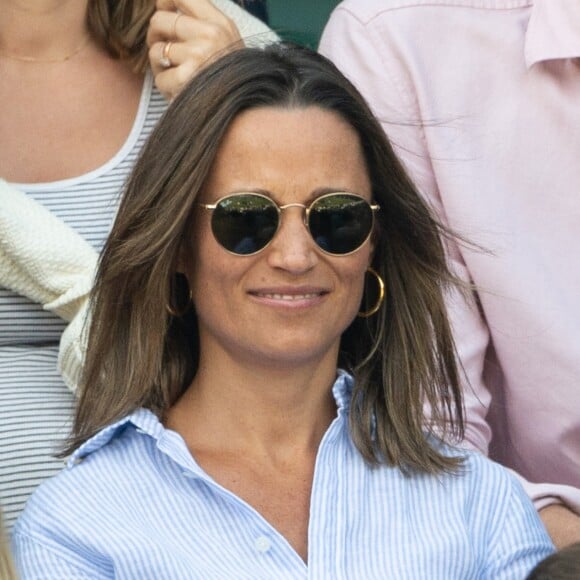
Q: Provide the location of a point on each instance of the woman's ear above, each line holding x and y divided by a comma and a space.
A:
180, 267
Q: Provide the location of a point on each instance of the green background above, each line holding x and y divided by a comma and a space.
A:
300, 20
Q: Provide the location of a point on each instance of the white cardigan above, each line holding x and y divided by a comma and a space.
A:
48, 262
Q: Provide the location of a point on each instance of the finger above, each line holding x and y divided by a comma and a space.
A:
218, 35
163, 25
161, 57
170, 82
166, 25
191, 31
186, 61
203, 9
179, 53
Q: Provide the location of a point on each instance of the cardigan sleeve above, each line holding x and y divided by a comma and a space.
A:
41, 257
48, 262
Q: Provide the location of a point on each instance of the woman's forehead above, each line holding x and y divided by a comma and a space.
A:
289, 151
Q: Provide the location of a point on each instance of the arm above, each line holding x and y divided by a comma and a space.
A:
198, 31
562, 524
371, 57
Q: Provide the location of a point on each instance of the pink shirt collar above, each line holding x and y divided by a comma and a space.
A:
553, 31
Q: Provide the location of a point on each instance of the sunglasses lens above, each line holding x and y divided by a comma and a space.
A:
340, 223
245, 223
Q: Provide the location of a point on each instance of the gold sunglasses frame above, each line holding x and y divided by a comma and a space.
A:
307, 208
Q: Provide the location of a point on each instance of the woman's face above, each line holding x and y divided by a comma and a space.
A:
289, 303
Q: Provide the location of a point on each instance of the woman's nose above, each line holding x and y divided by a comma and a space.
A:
293, 248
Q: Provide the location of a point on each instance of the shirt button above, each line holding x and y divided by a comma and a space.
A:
262, 544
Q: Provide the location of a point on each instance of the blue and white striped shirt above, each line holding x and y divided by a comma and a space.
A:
134, 504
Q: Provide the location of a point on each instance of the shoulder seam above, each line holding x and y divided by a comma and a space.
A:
38, 540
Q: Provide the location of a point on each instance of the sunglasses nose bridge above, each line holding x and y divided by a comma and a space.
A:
302, 206
287, 205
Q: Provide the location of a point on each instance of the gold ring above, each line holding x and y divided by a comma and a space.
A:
165, 60
177, 15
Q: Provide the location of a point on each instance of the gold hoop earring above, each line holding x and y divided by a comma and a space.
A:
178, 313
380, 299
177, 285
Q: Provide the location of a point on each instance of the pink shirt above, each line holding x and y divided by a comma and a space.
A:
481, 100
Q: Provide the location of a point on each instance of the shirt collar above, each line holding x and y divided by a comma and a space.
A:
141, 419
553, 31
148, 423
342, 391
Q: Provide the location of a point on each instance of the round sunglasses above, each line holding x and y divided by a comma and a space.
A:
245, 223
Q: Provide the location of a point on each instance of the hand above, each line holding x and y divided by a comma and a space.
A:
562, 524
197, 31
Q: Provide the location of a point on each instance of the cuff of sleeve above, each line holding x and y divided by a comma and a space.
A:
72, 349
545, 494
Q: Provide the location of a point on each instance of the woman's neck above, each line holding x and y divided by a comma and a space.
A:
269, 411
42, 30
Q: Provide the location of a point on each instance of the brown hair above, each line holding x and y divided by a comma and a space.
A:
402, 357
562, 565
121, 27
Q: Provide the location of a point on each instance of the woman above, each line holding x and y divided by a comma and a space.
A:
215, 435
77, 104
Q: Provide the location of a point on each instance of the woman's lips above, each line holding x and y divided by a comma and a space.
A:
290, 297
